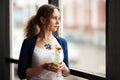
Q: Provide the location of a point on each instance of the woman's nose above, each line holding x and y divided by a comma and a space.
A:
57, 21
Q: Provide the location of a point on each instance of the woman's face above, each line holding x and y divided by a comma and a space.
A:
54, 21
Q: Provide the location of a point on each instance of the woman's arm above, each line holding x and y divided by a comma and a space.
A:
31, 72
65, 64
23, 60
64, 69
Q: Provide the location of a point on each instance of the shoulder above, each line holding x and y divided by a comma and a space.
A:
30, 39
61, 39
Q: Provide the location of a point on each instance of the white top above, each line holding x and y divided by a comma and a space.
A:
41, 56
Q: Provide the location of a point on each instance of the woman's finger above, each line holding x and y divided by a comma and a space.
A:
52, 67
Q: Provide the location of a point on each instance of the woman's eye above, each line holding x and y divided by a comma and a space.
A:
56, 18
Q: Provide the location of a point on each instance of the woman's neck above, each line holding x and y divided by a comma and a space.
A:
47, 35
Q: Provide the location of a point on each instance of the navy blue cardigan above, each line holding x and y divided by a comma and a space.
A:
27, 51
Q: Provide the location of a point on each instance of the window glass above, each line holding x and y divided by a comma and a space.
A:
84, 29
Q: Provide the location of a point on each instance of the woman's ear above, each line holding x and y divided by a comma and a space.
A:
42, 20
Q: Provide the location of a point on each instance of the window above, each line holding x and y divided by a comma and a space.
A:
84, 29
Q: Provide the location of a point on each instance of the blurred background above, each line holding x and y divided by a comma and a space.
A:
83, 27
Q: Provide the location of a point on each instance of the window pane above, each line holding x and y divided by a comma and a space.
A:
84, 29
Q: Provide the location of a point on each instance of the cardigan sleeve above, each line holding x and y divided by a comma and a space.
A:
65, 50
66, 60
24, 60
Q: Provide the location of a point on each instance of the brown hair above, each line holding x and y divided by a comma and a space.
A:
44, 11
31, 28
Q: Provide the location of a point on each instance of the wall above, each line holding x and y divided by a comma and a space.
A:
113, 40
4, 39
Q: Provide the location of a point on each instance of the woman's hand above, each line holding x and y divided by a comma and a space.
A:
31, 72
64, 69
51, 67
57, 67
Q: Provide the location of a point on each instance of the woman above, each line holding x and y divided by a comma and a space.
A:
38, 60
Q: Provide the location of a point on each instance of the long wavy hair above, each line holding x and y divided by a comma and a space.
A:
35, 26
